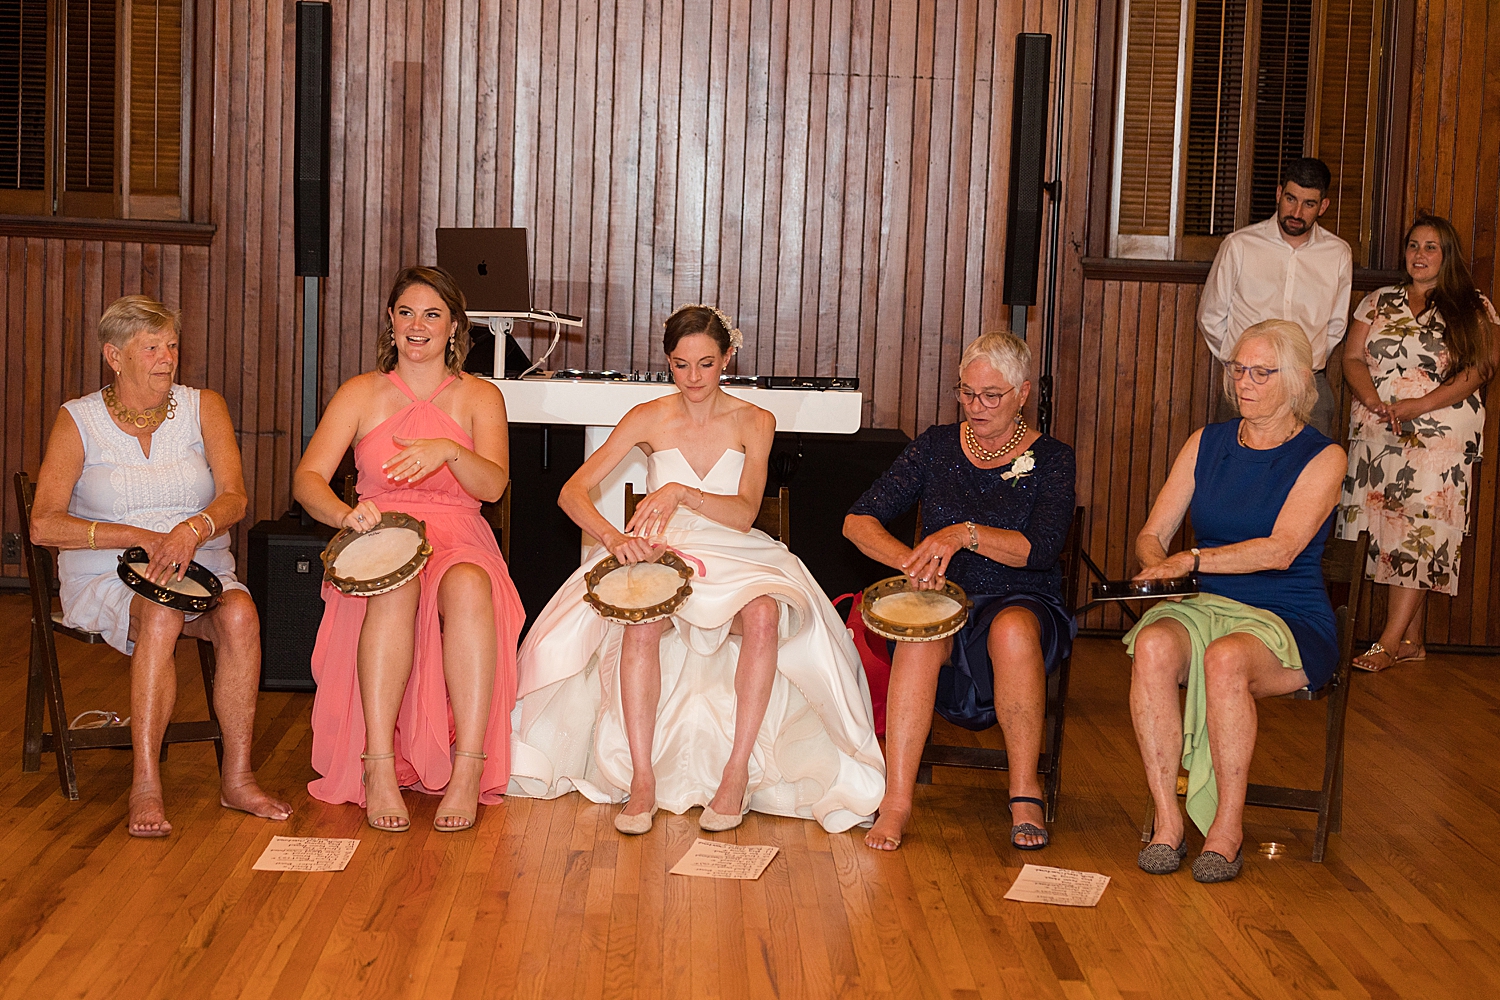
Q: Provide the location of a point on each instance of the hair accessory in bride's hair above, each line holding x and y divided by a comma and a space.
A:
736, 338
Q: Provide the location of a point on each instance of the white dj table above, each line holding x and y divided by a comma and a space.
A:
599, 406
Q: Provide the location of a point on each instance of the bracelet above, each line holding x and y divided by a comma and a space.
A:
208, 523
701, 497
93, 526
193, 528
973, 545
1197, 554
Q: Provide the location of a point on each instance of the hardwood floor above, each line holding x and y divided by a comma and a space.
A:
544, 899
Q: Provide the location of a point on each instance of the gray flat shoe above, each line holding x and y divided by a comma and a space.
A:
1161, 859
1211, 866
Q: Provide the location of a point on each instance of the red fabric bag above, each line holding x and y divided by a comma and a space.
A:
874, 655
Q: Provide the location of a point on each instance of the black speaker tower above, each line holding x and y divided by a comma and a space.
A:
1028, 150
310, 167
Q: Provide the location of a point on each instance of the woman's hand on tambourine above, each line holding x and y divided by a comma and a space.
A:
629, 549
418, 458
1177, 565
170, 553
362, 517
927, 566
654, 511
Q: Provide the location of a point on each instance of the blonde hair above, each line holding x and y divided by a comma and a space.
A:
1005, 352
1294, 362
135, 314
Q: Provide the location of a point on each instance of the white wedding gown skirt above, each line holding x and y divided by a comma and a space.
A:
815, 757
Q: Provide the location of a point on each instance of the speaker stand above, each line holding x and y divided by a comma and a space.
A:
1018, 321
310, 314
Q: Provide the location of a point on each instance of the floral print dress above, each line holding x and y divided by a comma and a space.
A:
1410, 490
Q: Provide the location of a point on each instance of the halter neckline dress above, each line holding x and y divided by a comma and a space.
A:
816, 756
458, 533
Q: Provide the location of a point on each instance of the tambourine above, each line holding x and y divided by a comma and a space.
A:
364, 564
1145, 590
895, 609
640, 592
198, 591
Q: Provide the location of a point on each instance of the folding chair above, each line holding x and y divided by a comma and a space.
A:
1049, 764
775, 517
1344, 574
44, 680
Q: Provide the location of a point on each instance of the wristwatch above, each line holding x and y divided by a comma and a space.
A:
973, 545
1196, 556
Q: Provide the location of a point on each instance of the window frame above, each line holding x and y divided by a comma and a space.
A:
54, 201
1392, 98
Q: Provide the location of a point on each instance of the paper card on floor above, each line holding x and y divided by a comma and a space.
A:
712, 859
306, 854
1058, 886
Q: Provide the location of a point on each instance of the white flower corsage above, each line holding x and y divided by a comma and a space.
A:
1021, 467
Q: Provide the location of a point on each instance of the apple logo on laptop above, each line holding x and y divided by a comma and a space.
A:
483, 269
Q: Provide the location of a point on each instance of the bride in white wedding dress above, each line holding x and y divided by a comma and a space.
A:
751, 696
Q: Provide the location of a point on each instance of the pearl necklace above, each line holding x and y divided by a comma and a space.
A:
985, 455
141, 419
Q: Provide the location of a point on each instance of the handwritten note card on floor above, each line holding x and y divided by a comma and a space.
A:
1058, 886
712, 859
306, 854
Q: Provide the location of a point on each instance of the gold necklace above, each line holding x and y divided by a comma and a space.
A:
985, 455
1240, 436
140, 419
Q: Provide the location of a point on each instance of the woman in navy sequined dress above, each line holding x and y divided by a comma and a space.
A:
997, 498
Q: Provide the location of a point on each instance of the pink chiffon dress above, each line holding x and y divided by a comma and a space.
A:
424, 725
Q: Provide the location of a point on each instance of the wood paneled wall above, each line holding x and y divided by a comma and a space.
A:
832, 173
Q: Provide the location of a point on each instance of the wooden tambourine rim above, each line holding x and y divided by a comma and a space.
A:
638, 616
1145, 590
912, 633
381, 584
196, 571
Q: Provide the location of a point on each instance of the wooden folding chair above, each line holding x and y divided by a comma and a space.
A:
1049, 764
775, 517
1344, 574
44, 680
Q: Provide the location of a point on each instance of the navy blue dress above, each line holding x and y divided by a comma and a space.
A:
1238, 493
934, 471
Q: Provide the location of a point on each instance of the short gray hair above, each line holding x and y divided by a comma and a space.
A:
1293, 359
135, 314
1005, 352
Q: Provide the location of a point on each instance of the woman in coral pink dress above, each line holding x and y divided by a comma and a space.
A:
416, 686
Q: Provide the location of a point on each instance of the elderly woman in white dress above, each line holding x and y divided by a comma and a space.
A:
750, 695
150, 463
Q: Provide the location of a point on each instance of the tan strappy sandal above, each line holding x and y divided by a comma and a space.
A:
403, 816
468, 817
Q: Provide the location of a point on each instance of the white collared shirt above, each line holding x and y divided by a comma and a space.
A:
1258, 276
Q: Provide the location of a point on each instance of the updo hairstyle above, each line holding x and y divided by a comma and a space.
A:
699, 318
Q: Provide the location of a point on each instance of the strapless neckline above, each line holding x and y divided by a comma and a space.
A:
704, 479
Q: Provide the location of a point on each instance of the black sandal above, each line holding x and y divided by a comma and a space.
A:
1029, 829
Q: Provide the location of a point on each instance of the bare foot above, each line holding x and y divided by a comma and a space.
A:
384, 808
460, 805
148, 817
729, 800
890, 824
1028, 812
242, 793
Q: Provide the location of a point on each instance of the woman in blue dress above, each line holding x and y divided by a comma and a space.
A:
997, 498
1262, 490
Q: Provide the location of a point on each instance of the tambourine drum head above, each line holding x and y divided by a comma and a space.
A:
198, 591
1145, 590
379, 560
893, 609
640, 585
640, 592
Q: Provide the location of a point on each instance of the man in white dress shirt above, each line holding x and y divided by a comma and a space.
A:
1286, 267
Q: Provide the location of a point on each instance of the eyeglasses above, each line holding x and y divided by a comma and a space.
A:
1258, 374
989, 400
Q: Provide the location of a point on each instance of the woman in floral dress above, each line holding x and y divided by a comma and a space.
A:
1417, 355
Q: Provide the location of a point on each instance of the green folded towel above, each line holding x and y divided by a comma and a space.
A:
1208, 617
